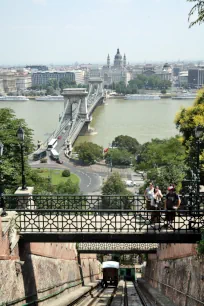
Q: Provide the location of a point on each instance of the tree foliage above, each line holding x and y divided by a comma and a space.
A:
10, 166
128, 143
66, 173
186, 122
67, 187
142, 82
118, 157
199, 9
89, 152
115, 186
163, 161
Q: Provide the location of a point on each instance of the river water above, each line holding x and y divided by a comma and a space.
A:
142, 120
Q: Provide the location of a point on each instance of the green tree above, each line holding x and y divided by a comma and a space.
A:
89, 152
186, 122
118, 157
66, 83
198, 8
67, 187
50, 91
10, 166
163, 161
53, 83
115, 186
126, 142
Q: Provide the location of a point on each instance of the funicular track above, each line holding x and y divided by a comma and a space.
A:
95, 297
127, 293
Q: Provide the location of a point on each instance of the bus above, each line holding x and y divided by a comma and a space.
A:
54, 154
52, 144
40, 153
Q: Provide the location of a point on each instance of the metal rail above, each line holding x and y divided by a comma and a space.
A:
93, 298
142, 297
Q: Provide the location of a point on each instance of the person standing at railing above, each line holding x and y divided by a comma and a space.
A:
172, 203
156, 205
149, 195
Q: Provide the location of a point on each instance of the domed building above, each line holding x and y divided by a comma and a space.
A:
116, 73
118, 62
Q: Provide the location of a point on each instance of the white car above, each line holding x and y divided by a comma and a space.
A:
130, 183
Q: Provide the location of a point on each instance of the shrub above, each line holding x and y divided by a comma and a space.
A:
66, 173
43, 160
200, 247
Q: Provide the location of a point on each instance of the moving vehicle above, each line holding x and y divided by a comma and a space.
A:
130, 183
54, 154
13, 98
58, 161
142, 97
50, 98
52, 144
110, 273
40, 153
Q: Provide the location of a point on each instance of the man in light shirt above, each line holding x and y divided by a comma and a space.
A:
149, 195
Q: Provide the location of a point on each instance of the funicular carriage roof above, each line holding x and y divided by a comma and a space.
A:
110, 264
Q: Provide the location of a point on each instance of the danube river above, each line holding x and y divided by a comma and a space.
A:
142, 120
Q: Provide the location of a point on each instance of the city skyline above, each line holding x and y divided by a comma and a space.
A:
63, 32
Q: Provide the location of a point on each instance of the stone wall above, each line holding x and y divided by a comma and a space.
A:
40, 276
177, 272
37, 270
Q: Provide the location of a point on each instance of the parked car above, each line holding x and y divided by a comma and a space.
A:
59, 137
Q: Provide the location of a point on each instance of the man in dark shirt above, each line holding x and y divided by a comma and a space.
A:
172, 203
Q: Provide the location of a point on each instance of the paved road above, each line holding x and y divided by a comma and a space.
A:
89, 182
91, 177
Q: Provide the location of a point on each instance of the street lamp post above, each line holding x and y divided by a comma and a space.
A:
20, 136
198, 135
1, 191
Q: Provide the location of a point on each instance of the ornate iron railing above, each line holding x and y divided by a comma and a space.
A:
77, 216
92, 203
106, 221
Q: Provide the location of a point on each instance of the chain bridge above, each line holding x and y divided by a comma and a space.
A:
76, 117
119, 219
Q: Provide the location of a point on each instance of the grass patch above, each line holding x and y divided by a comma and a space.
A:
56, 176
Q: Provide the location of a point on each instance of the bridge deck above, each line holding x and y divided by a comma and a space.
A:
101, 226
86, 219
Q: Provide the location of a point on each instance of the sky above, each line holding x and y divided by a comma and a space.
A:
85, 31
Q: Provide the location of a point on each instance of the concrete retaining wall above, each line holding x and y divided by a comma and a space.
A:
30, 271
39, 276
178, 273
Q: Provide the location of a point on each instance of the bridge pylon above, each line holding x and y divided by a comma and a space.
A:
75, 103
95, 82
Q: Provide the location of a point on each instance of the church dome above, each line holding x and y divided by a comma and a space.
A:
118, 55
166, 65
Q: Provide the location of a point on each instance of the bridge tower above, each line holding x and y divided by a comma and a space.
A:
95, 83
75, 103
